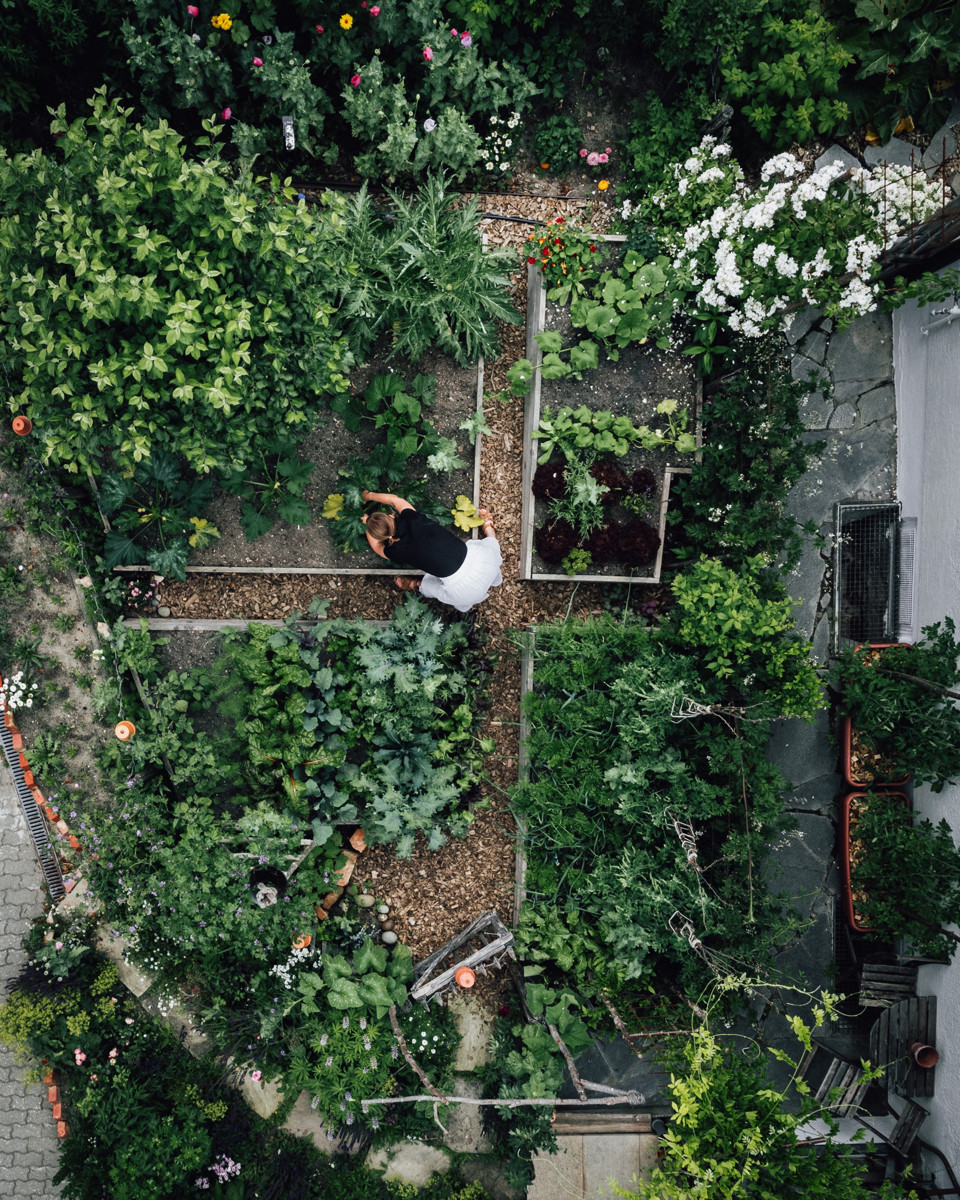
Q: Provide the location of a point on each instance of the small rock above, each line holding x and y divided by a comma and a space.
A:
388, 937
163, 611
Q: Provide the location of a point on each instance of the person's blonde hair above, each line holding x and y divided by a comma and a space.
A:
382, 527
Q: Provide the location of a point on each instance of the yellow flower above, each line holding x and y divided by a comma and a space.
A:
346, 21
221, 21
603, 184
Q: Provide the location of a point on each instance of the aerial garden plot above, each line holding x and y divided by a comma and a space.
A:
347, 893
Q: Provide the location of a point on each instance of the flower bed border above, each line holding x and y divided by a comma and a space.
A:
536, 318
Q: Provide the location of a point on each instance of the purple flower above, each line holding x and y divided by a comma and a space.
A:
429, 124
466, 39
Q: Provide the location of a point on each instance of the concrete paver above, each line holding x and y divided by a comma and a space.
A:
29, 1155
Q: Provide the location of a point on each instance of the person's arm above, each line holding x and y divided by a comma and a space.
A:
396, 502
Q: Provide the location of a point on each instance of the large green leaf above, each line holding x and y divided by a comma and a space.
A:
170, 562
254, 523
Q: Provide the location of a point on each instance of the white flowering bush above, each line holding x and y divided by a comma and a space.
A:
748, 255
497, 148
18, 691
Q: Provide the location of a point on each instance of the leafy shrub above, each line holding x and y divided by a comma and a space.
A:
900, 703
554, 540
733, 505
742, 625
154, 503
272, 486
905, 875
181, 312
558, 143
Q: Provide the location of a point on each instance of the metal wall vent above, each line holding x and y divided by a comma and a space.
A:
866, 594
908, 578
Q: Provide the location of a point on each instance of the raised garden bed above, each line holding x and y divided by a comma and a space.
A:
851, 851
631, 387
310, 548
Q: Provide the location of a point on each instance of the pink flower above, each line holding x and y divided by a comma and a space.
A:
79, 1055
58, 945
427, 53
193, 10
583, 152
363, 3
319, 29
354, 80
226, 114
603, 158
375, 10
607, 150
453, 33
258, 62
256, 1076
466, 39
593, 158
113, 1053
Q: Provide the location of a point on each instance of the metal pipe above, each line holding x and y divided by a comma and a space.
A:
951, 316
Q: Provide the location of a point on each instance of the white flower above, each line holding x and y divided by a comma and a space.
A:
786, 265
763, 253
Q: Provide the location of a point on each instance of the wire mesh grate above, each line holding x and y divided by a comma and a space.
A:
867, 572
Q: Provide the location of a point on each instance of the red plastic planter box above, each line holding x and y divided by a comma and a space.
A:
846, 733
846, 891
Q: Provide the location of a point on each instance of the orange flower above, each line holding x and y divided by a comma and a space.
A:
603, 184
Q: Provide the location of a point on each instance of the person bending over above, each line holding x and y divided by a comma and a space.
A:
455, 572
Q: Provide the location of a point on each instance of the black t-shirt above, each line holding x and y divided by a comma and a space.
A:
424, 544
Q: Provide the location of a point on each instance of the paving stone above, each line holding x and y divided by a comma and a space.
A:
804, 585
844, 416
879, 404
802, 368
823, 639
411, 1162
814, 346
836, 153
801, 749
474, 1024
801, 323
864, 350
896, 151
943, 144
816, 795
305, 1121
464, 1129
613, 1156
559, 1174
815, 410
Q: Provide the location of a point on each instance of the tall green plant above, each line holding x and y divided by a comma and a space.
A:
177, 311
427, 279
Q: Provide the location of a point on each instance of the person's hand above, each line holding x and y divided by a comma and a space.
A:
364, 518
365, 494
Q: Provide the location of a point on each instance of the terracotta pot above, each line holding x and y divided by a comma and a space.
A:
125, 731
846, 738
846, 824
465, 977
21, 426
924, 1056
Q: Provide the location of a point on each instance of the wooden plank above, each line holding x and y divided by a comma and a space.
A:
209, 625
142, 567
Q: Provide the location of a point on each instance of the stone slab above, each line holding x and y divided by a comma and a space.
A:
836, 153
864, 350
802, 749
559, 1174
801, 860
804, 585
879, 404
943, 144
814, 346
305, 1121
263, 1097
609, 1156
464, 1127
410, 1162
844, 417
801, 323
896, 151
132, 978
816, 795
474, 1023
815, 410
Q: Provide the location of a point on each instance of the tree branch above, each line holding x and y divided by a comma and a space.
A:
434, 1093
